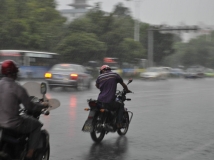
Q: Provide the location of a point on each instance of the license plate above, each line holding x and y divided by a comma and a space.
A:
91, 114
88, 126
58, 76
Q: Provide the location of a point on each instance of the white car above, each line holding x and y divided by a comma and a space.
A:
154, 73
116, 70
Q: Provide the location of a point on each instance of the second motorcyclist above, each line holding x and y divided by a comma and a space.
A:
107, 83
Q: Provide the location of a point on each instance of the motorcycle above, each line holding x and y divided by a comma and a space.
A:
101, 121
13, 145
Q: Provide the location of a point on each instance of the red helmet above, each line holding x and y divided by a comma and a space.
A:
9, 67
104, 67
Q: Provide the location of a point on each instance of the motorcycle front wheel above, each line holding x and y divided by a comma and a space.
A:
43, 155
122, 131
97, 136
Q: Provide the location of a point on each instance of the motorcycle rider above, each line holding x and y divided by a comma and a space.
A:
107, 83
12, 95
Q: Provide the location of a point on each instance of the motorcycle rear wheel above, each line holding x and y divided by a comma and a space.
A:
122, 131
98, 133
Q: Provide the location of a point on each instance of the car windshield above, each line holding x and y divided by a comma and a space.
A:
153, 70
64, 67
190, 70
176, 70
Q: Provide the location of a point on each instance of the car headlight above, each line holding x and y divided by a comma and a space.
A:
48, 75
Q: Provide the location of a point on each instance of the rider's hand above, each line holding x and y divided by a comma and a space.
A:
128, 91
45, 104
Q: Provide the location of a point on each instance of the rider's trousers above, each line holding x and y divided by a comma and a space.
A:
33, 127
116, 106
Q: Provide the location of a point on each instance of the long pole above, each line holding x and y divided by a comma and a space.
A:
150, 48
137, 19
137, 23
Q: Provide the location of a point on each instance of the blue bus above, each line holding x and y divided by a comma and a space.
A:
32, 64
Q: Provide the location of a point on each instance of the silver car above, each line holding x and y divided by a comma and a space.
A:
68, 75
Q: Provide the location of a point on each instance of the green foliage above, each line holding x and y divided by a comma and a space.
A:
114, 30
120, 10
81, 47
37, 25
199, 51
129, 49
163, 46
28, 24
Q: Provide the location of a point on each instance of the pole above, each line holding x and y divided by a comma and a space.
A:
150, 48
137, 23
137, 19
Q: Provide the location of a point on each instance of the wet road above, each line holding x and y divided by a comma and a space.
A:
173, 120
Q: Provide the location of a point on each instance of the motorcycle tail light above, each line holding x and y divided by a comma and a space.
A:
92, 104
48, 75
74, 76
102, 110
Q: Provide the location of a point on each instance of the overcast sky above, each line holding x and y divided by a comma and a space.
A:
170, 12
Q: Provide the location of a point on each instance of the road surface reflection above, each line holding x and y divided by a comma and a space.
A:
113, 149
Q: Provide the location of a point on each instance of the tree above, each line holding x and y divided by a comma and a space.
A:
197, 51
120, 10
163, 46
31, 24
37, 25
81, 47
130, 49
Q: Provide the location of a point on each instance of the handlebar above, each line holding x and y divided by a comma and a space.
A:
46, 112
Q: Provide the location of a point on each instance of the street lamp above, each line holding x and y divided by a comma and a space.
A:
137, 20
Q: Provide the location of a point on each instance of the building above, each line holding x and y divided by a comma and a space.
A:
80, 7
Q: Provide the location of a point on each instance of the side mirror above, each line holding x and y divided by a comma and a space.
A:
43, 88
130, 80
